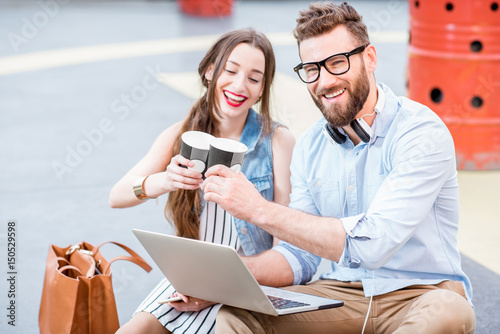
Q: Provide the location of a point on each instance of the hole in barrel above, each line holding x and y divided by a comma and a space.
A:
494, 6
476, 46
417, 3
476, 102
436, 95
449, 6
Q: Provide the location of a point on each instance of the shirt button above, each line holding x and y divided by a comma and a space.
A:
319, 183
351, 188
244, 230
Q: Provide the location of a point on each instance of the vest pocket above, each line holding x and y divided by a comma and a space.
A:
261, 183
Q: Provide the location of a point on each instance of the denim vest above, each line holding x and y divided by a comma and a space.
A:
258, 169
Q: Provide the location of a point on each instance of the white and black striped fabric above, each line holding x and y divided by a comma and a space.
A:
216, 226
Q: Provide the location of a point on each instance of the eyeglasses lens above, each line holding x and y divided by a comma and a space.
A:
335, 65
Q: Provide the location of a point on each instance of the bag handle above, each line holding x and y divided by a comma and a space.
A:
70, 267
60, 258
134, 257
80, 260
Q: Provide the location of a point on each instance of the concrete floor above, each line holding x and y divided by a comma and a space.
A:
85, 88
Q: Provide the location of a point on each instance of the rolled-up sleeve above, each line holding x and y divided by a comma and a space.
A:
357, 245
349, 224
303, 264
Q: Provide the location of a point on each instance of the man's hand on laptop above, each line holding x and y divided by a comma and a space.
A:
189, 304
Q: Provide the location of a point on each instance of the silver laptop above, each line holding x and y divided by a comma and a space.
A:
217, 273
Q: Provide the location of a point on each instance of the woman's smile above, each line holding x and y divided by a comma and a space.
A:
233, 99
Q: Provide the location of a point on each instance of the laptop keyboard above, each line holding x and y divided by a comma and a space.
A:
282, 303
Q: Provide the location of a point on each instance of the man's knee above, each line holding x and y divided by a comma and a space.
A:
441, 311
457, 314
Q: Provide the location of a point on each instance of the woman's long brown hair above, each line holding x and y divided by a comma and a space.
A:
183, 206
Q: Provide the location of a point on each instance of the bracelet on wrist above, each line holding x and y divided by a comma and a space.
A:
139, 188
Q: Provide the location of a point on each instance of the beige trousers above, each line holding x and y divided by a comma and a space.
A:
426, 309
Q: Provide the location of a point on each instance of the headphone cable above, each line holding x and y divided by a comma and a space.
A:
370, 304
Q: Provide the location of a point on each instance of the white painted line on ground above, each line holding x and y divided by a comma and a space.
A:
74, 56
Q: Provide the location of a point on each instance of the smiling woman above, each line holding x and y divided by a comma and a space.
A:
237, 72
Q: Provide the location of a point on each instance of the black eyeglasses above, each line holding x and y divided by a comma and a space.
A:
336, 65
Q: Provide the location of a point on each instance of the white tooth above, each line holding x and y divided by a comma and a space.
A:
234, 97
337, 93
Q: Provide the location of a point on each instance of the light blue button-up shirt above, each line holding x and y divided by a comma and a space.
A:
397, 197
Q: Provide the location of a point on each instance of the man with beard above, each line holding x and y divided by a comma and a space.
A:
374, 190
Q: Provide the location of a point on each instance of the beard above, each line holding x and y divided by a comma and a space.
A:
339, 115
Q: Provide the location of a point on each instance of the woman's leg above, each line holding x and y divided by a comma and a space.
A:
143, 322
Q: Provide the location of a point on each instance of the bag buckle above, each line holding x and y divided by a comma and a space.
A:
73, 248
85, 251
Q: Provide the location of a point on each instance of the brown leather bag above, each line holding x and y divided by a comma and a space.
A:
77, 294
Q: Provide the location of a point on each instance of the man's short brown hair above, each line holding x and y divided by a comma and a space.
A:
322, 17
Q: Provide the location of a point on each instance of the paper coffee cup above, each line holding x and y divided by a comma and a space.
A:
195, 147
227, 152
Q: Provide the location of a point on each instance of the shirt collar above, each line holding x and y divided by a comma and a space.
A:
388, 102
380, 101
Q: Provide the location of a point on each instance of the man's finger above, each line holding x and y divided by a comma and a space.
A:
213, 197
220, 170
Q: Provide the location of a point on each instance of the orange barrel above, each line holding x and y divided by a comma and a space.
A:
454, 68
211, 8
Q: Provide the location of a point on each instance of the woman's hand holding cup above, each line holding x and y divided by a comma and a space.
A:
177, 176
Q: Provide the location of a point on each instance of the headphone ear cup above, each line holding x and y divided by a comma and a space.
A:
362, 134
335, 134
